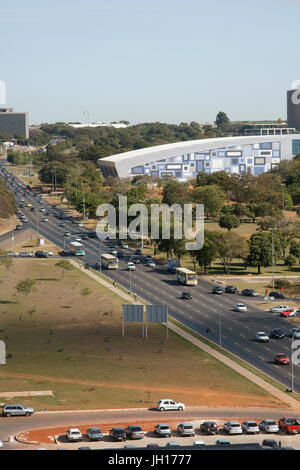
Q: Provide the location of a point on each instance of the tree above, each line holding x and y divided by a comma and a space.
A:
211, 196
222, 120
291, 261
25, 287
230, 245
64, 265
260, 254
208, 252
229, 222
175, 192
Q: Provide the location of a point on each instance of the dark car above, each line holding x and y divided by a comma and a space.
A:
84, 236
92, 235
278, 295
276, 333
94, 434
270, 443
217, 290
136, 260
134, 432
249, 292
186, 295
32, 209
117, 434
41, 254
231, 290
18, 227
209, 427
138, 252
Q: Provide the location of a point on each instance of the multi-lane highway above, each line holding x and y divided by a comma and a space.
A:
212, 316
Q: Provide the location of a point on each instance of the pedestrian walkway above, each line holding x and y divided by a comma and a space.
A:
274, 391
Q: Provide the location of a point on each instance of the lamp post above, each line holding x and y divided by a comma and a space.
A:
83, 200
142, 202
298, 329
272, 230
100, 264
220, 328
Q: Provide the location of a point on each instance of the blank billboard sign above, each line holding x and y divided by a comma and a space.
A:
156, 313
133, 313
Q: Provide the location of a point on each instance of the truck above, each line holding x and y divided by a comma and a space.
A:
289, 425
173, 264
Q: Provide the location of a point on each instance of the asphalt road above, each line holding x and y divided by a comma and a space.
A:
233, 330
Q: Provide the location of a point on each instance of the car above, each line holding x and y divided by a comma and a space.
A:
232, 427
130, 266
162, 430
172, 444
84, 236
42, 209
199, 443
13, 254
18, 227
270, 443
277, 295
28, 204
209, 427
185, 429
249, 292
45, 219
62, 224
17, 410
26, 254
32, 209
250, 427
186, 295
167, 404
217, 290
134, 432
117, 434
124, 245
135, 260
279, 308
151, 263
138, 252
223, 442
152, 445
1, 444
240, 308
281, 359
288, 313
92, 234
276, 333
294, 333
41, 254
73, 434
262, 337
269, 426
231, 290
114, 252
94, 434
67, 234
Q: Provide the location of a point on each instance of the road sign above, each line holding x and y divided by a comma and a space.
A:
133, 313
156, 314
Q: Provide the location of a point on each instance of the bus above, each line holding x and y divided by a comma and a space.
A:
186, 277
77, 249
109, 261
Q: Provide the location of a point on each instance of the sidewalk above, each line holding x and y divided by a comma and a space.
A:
282, 396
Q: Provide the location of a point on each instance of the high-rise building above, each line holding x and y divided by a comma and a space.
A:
293, 108
13, 124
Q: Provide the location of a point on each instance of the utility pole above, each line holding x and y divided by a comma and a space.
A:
272, 230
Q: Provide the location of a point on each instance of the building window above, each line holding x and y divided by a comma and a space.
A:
266, 145
296, 146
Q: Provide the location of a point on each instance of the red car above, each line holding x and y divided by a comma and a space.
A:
281, 359
291, 312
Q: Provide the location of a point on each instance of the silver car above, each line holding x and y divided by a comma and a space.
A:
250, 427
262, 337
269, 425
186, 429
162, 430
233, 427
17, 410
294, 333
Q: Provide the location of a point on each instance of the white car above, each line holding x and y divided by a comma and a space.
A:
113, 252
130, 266
185, 429
269, 425
167, 404
240, 308
294, 333
1, 444
151, 263
124, 245
279, 308
233, 427
262, 337
250, 427
45, 219
74, 434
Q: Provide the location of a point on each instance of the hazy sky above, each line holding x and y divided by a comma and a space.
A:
149, 60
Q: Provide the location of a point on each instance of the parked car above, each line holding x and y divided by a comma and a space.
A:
172, 444
279, 308
185, 429
117, 434
262, 337
162, 430
134, 432
249, 292
199, 443
186, 295
231, 290
250, 427
13, 254
152, 445
167, 404
276, 333
217, 290
209, 427
277, 295
291, 312
17, 410
289, 425
269, 425
240, 307
94, 434
74, 434
41, 254
281, 359
270, 443
232, 427
294, 333
223, 442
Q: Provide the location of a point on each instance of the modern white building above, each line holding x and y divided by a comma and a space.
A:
184, 160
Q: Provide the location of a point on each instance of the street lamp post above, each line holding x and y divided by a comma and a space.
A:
220, 328
100, 267
83, 197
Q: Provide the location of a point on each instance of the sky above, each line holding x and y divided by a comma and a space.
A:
149, 60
